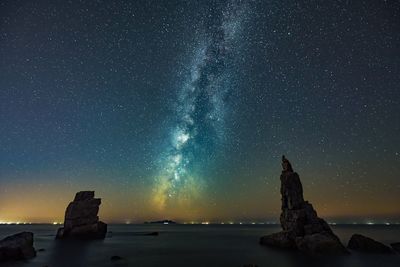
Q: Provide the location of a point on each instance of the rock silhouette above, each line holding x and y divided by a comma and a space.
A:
81, 220
302, 228
17, 247
367, 245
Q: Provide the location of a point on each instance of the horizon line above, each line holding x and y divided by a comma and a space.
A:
202, 223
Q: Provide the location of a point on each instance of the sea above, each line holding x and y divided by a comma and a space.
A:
192, 246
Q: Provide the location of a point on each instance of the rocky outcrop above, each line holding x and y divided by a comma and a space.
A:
17, 247
81, 220
283, 239
302, 228
368, 245
396, 246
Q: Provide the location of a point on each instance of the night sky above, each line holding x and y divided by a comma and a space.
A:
182, 110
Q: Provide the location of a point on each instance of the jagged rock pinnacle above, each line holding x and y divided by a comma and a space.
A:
286, 166
302, 228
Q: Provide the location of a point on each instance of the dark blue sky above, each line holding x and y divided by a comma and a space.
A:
183, 109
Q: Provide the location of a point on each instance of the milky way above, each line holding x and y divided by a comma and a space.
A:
203, 101
183, 109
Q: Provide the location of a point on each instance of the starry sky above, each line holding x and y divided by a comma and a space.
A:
183, 109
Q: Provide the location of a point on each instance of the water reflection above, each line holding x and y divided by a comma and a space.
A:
67, 253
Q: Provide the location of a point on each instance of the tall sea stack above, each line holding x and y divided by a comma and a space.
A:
302, 229
81, 220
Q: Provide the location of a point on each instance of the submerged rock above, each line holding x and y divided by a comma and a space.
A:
17, 247
368, 245
302, 228
81, 220
152, 233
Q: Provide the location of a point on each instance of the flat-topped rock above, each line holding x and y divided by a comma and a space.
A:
302, 228
84, 195
81, 220
367, 245
17, 247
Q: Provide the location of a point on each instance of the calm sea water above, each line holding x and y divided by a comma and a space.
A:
192, 245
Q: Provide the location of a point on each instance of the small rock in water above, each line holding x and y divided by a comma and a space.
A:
41, 250
115, 258
17, 247
368, 245
152, 233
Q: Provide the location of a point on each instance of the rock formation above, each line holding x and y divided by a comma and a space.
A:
81, 220
368, 245
302, 228
17, 247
